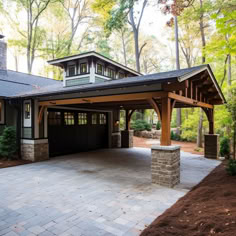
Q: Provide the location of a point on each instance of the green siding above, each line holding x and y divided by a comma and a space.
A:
99, 79
78, 81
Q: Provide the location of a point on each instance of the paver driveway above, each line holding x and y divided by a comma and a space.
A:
104, 192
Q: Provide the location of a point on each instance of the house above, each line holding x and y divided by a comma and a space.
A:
81, 113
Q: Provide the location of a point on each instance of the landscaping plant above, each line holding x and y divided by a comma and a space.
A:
158, 125
225, 147
8, 146
231, 167
140, 125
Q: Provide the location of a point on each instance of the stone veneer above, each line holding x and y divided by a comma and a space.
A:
35, 150
165, 167
127, 138
211, 149
116, 140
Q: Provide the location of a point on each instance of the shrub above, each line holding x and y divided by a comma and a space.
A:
158, 126
175, 136
231, 167
8, 146
140, 125
225, 147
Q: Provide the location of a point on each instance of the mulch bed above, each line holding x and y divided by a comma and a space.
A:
8, 163
208, 209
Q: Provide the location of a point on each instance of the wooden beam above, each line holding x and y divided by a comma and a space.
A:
189, 100
165, 121
156, 107
176, 86
110, 98
41, 114
210, 117
128, 115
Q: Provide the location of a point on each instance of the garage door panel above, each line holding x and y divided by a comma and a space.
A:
75, 133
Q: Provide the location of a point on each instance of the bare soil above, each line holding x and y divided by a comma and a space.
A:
9, 163
208, 209
185, 146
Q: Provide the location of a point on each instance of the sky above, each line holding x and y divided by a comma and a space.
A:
154, 25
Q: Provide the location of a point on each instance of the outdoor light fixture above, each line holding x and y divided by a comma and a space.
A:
117, 122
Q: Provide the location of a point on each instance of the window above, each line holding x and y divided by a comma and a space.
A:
111, 73
121, 75
83, 68
54, 118
102, 119
71, 70
82, 118
94, 119
100, 69
27, 110
69, 118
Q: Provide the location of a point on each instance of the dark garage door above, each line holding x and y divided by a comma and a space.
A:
76, 131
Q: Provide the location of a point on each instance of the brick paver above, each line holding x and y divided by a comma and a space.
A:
104, 192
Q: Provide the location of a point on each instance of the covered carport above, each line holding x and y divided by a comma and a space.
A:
186, 88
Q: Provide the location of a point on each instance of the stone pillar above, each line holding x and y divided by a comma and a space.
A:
211, 149
116, 140
165, 165
127, 138
34, 150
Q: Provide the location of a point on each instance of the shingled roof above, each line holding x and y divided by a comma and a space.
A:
15, 84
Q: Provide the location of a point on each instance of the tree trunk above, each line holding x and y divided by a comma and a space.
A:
178, 114
124, 47
201, 23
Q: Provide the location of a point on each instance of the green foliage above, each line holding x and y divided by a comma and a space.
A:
175, 136
140, 125
8, 146
158, 125
225, 147
231, 167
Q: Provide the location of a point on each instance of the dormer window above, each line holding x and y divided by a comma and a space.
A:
83, 68
100, 69
121, 75
72, 70
111, 73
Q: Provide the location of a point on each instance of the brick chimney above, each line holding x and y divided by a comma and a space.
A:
3, 54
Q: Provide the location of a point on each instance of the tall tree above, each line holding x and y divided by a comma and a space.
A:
78, 12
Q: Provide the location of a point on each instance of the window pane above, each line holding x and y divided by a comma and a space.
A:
121, 75
83, 68
82, 118
69, 118
102, 119
100, 69
72, 70
111, 73
94, 119
27, 110
54, 118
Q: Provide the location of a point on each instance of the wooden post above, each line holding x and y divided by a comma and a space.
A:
211, 121
165, 121
127, 122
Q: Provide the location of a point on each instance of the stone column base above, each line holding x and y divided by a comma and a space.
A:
116, 140
165, 165
127, 138
34, 150
211, 147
